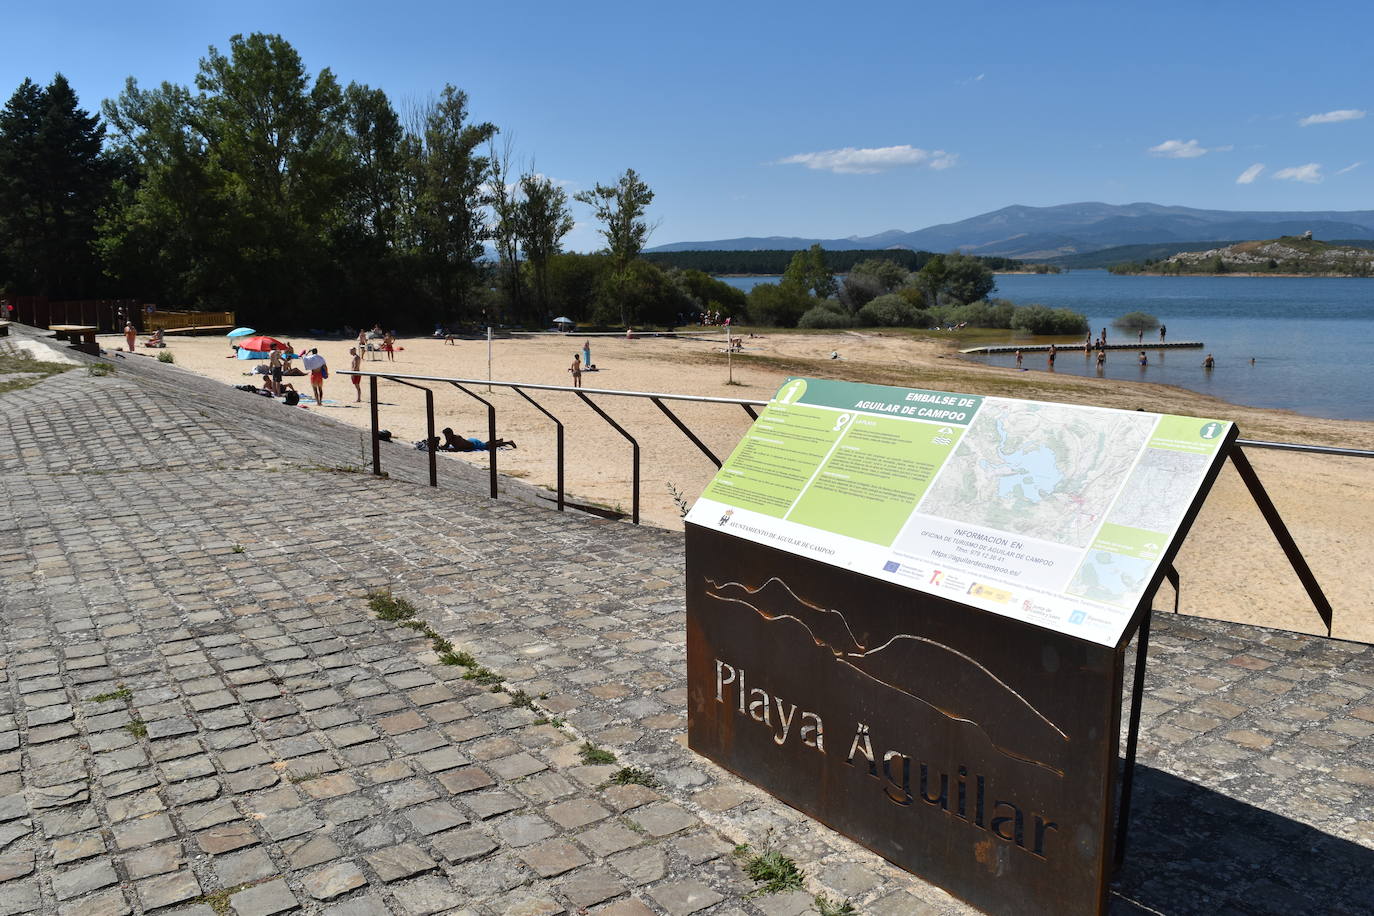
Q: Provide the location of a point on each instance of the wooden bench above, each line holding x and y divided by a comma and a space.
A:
82, 336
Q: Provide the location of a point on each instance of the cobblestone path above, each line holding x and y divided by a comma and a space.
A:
199, 712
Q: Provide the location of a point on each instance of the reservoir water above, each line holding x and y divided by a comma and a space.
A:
1311, 338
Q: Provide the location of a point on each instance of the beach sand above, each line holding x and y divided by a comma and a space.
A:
1230, 565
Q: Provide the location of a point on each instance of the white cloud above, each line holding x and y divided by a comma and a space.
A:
852, 161
1332, 117
1350, 168
1250, 174
1181, 149
1310, 173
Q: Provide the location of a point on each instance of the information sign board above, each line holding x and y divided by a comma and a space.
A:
1054, 514
906, 616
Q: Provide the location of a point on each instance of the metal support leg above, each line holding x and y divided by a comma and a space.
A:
1123, 817
1276, 525
491, 436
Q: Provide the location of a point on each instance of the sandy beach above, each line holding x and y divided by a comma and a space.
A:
1230, 564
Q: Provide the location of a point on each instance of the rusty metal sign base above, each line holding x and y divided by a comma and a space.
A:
974, 750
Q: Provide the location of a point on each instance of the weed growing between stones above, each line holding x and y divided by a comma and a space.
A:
166, 357
100, 369
389, 608
522, 699
634, 776
238, 548
591, 754
123, 693
138, 728
482, 675
398, 610
771, 870
827, 907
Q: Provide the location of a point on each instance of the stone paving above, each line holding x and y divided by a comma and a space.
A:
200, 714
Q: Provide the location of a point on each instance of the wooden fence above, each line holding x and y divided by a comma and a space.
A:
110, 315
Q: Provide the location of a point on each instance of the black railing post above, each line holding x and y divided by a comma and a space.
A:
430, 445
376, 442
687, 432
491, 435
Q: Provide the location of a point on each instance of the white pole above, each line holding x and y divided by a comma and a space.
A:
729, 355
488, 357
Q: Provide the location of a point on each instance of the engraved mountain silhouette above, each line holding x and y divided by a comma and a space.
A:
945, 680
774, 599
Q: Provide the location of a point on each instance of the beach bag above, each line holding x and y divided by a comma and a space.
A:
324, 372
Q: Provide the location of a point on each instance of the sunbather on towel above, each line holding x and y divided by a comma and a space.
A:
455, 443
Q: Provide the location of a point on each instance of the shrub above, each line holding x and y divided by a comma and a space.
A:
779, 306
1136, 321
165, 357
819, 317
1038, 319
888, 311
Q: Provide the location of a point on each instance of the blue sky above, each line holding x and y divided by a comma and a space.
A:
822, 119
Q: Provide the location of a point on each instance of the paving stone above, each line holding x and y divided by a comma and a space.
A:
463, 845
226, 838
363, 905
400, 861
524, 904
82, 879
524, 830
334, 880
16, 864
306, 852
554, 857
465, 779
641, 866
104, 903
490, 804
330, 786
681, 898
663, 819
244, 867
606, 839
19, 897
576, 813
422, 896
71, 848
590, 886
144, 830
264, 900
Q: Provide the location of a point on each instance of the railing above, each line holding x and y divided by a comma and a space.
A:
1237, 455
168, 321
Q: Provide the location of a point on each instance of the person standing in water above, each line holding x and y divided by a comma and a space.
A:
1209, 363
1053, 351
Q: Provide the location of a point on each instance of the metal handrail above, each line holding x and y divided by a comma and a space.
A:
747, 403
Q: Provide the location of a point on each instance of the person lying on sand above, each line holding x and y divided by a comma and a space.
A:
455, 443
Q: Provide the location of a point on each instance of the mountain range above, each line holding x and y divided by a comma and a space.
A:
1067, 229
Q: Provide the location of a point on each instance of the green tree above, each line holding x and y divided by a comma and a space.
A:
505, 230
808, 271
573, 281
452, 198
778, 305
957, 278
640, 294
542, 220
620, 207
54, 178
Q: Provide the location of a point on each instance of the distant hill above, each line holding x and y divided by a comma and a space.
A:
1040, 233
775, 260
1289, 254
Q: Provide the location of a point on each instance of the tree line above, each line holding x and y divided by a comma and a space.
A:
294, 199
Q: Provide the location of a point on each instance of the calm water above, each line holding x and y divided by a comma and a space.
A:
1312, 339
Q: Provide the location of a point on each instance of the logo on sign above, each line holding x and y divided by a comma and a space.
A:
937, 577
726, 517
1078, 616
891, 566
1210, 431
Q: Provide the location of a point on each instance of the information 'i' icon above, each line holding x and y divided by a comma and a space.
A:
1210, 430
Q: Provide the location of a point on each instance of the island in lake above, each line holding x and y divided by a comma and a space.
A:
1288, 255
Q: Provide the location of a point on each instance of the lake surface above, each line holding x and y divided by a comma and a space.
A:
1312, 339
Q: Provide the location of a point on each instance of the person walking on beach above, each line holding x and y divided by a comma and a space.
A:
1162, 329
1018, 359
576, 370
362, 342
274, 367
389, 346
130, 335
355, 363
318, 370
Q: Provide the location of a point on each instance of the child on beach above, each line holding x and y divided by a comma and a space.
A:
576, 370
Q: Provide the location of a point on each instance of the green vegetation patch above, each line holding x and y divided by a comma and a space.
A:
593, 755
123, 693
634, 776
772, 871
31, 371
387, 607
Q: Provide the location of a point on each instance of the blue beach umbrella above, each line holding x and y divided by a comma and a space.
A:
240, 332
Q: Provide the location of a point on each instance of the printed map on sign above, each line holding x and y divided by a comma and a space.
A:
1157, 489
1039, 470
